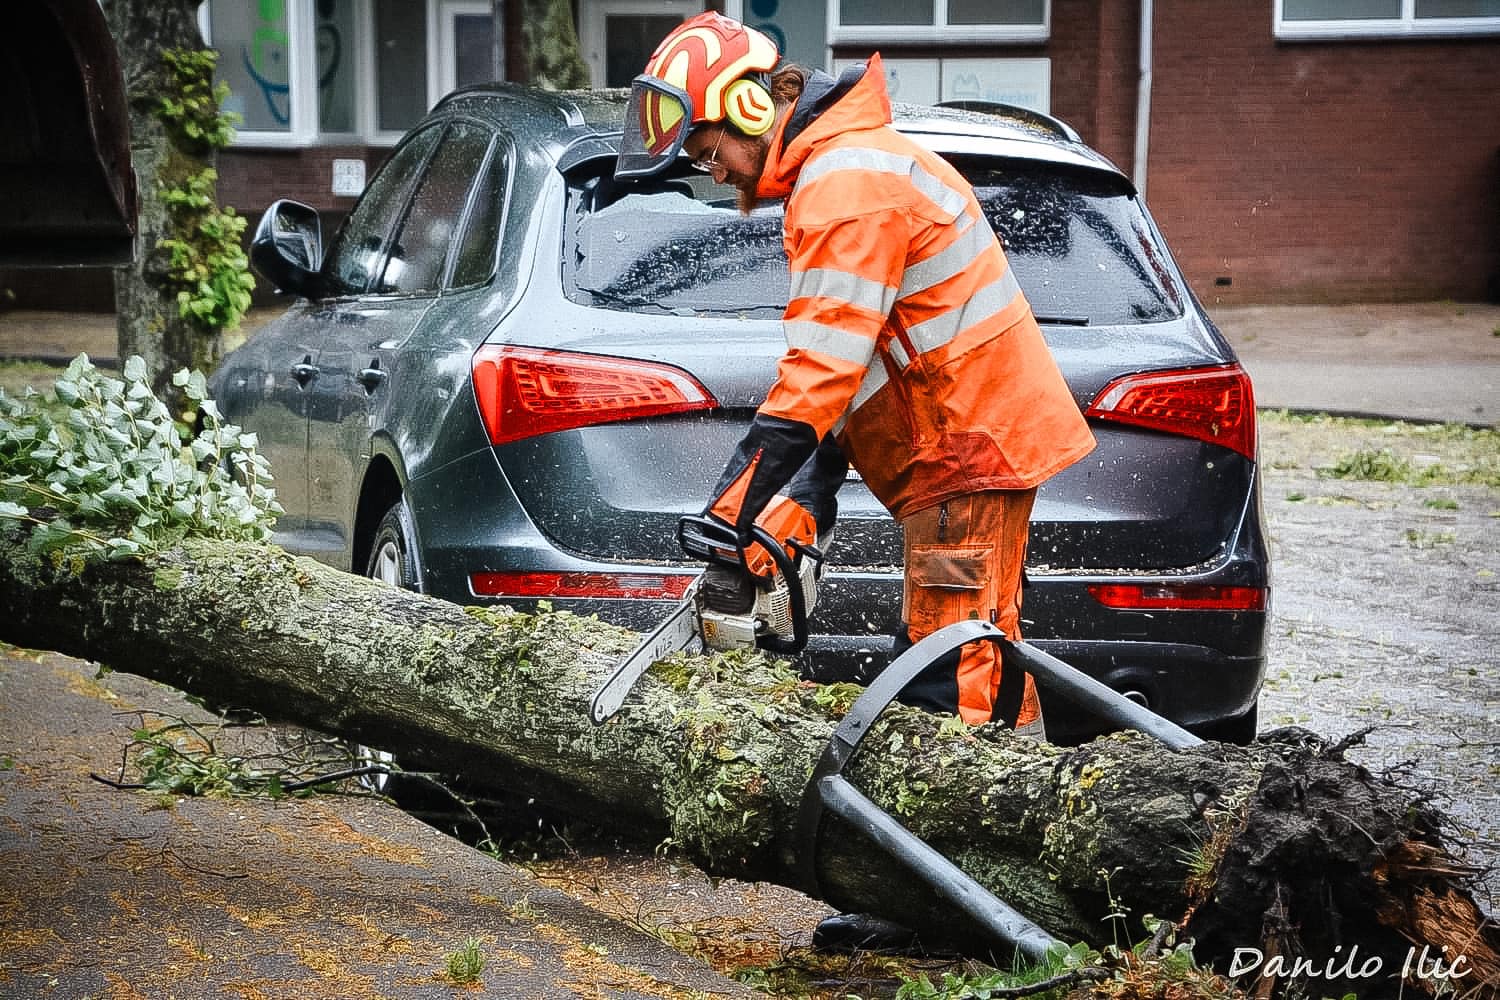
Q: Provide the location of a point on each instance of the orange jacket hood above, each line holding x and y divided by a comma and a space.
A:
864, 105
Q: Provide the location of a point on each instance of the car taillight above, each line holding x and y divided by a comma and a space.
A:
1178, 597
525, 391
1211, 404
641, 586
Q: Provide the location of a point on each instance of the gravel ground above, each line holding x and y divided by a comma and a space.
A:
1386, 604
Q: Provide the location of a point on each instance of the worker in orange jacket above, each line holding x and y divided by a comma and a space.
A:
911, 351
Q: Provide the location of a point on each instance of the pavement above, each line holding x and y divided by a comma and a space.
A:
132, 895
124, 895
1426, 361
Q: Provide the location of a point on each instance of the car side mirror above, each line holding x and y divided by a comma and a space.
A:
287, 249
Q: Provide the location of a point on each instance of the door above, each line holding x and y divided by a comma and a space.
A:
360, 355
618, 36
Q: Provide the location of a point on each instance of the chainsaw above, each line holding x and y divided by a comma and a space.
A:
727, 606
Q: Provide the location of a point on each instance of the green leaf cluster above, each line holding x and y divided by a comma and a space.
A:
190, 765
191, 111
206, 262
99, 466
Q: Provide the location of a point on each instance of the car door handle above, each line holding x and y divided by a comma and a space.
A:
305, 371
372, 376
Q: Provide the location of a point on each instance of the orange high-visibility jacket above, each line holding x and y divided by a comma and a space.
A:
907, 335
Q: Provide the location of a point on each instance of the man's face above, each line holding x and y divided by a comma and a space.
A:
731, 158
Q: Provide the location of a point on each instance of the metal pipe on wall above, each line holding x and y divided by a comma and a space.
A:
1143, 100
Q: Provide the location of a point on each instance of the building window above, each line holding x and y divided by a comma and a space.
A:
400, 64
1357, 19
336, 33
256, 60
292, 66
888, 22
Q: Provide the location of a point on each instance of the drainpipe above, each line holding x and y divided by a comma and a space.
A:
497, 40
1143, 100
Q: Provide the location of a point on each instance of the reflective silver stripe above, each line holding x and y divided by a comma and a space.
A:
898, 353
861, 158
875, 379
829, 340
825, 282
975, 241
988, 301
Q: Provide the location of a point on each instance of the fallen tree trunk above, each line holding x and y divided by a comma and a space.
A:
1283, 847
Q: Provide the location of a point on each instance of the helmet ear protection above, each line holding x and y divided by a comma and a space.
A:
748, 105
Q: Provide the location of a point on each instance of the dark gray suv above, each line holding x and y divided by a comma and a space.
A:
508, 374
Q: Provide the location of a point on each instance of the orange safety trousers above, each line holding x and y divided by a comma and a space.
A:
964, 559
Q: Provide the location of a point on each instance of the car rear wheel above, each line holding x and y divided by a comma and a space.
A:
393, 560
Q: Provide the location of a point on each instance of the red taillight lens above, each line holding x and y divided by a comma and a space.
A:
642, 586
1211, 404
1178, 597
525, 391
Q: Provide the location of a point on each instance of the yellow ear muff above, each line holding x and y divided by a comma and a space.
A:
748, 106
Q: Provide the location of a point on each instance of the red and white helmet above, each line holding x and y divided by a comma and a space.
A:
709, 68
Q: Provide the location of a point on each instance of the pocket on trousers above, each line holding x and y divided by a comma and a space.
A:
950, 568
943, 585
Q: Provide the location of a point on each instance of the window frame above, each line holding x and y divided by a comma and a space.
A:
501, 145
1405, 25
305, 128
302, 79
940, 32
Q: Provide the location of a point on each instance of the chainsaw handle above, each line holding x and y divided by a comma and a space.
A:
795, 597
712, 540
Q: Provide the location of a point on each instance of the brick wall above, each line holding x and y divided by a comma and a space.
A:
1323, 171
1287, 172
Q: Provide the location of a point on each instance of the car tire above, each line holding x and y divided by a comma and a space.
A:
393, 556
394, 561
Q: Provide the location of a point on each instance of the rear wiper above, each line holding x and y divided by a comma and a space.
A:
1062, 320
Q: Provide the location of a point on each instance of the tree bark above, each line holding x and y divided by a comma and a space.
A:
148, 320
1282, 846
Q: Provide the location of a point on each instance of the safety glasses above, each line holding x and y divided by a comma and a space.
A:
708, 163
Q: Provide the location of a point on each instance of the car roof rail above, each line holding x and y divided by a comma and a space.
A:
561, 103
1036, 119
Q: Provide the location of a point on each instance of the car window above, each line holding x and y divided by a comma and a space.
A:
476, 254
359, 248
1076, 239
1078, 243
420, 249
677, 245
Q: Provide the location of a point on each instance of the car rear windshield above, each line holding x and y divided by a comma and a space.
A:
1076, 239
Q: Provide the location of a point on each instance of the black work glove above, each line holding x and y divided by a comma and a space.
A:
767, 458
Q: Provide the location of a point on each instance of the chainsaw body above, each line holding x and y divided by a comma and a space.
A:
736, 612
738, 609
729, 606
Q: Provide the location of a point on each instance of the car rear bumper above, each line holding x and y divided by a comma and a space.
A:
1195, 667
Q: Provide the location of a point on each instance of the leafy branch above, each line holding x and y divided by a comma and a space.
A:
99, 466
